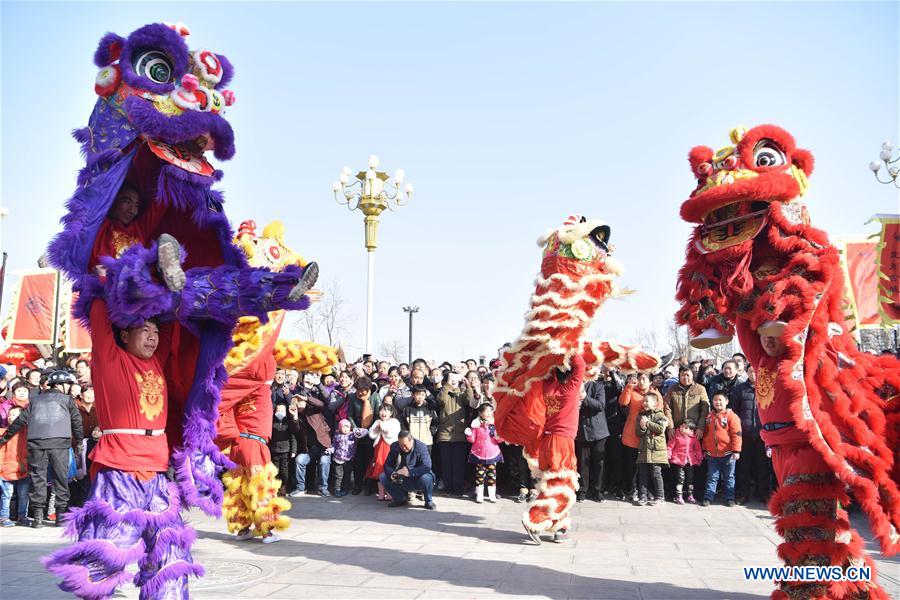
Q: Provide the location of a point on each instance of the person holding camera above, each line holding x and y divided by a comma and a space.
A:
407, 468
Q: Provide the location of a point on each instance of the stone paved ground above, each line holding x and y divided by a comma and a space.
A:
359, 548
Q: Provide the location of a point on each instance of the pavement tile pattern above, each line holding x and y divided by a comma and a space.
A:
356, 547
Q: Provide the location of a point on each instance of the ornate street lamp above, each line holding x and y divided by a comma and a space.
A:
369, 194
887, 159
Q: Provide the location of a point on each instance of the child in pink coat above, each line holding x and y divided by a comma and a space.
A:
485, 453
684, 454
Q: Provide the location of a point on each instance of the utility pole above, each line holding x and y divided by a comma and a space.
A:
411, 310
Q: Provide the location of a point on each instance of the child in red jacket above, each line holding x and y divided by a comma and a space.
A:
722, 443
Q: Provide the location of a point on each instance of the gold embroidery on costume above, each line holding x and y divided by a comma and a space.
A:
247, 405
553, 405
152, 389
122, 241
765, 387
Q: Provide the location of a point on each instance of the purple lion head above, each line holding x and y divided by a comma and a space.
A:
167, 94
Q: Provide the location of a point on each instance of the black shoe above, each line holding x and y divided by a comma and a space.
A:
38, 521
396, 503
729, 503
601, 497
580, 498
368, 492
356, 491
742, 500
704, 502
430, 505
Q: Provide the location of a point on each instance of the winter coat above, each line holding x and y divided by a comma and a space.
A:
684, 449
386, 430
633, 401
314, 428
485, 442
14, 457
683, 404
452, 407
723, 434
742, 400
345, 445
653, 439
355, 412
402, 396
421, 422
720, 384
283, 440
592, 425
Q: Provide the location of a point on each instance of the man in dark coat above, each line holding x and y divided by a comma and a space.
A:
754, 466
407, 468
54, 426
590, 441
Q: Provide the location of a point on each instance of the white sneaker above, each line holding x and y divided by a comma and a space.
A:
244, 534
270, 539
297, 493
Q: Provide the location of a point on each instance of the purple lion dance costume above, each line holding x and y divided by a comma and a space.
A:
159, 109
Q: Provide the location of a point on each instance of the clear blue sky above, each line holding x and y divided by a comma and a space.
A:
507, 117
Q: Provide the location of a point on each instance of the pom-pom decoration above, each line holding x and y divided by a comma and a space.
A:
108, 80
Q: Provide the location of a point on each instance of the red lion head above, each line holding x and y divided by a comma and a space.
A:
741, 187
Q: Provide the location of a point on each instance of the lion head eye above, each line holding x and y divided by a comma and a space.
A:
768, 154
155, 66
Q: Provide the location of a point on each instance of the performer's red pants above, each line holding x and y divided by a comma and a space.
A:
555, 470
816, 530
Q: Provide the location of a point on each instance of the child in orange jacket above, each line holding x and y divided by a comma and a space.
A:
14, 473
722, 445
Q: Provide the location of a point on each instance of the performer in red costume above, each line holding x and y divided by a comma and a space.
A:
557, 478
756, 267
134, 513
251, 505
540, 375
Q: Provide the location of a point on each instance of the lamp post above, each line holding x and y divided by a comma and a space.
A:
369, 195
411, 310
887, 160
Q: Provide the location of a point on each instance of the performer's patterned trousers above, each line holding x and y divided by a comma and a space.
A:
816, 530
554, 468
127, 519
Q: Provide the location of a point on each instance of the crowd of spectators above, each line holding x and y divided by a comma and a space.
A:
687, 434
641, 438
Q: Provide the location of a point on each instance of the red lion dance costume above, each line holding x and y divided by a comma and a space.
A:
577, 276
755, 266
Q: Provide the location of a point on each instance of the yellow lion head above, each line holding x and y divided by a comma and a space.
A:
269, 249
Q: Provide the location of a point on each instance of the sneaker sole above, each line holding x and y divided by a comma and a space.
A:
168, 257
307, 281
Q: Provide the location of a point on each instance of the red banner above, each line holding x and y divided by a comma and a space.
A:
862, 280
889, 269
78, 339
33, 308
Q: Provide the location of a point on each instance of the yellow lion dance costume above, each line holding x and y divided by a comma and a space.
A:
251, 505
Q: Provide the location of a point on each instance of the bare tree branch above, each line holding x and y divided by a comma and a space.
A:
393, 349
327, 320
